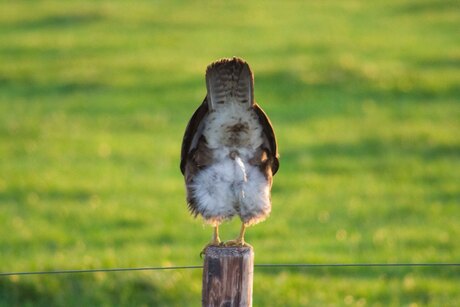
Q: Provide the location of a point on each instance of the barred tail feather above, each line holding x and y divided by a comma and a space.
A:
229, 79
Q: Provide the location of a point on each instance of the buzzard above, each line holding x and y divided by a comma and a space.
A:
229, 151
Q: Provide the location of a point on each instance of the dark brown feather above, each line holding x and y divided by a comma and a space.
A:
269, 134
194, 156
190, 132
197, 159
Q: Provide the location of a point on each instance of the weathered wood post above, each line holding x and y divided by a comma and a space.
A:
228, 276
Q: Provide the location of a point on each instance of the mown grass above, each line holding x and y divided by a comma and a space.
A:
94, 99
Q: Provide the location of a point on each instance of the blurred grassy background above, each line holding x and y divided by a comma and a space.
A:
364, 97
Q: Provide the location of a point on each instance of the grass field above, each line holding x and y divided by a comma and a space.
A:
364, 97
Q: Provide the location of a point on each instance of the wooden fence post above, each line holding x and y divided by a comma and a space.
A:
227, 276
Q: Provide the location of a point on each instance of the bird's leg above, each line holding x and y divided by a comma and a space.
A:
215, 240
215, 236
240, 238
239, 241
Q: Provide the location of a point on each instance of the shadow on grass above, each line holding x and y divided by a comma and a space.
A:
59, 21
427, 7
369, 150
377, 148
30, 88
338, 91
21, 195
14, 293
440, 63
371, 273
86, 290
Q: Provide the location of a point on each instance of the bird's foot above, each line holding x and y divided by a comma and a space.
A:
212, 243
236, 243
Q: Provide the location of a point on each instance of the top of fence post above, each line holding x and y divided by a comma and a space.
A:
228, 276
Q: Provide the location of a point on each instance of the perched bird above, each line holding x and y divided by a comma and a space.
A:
229, 151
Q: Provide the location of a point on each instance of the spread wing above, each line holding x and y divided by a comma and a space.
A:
193, 133
269, 138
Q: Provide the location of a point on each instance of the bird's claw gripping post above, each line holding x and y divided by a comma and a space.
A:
239, 241
215, 241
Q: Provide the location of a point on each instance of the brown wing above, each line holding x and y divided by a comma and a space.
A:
192, 133
194, 154
270, 139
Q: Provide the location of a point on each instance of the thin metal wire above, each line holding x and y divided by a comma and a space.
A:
266, 265
103, 270
313, 265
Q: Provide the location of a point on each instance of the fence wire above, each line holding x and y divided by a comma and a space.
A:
262, 266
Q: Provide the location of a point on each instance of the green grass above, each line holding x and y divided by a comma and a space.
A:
364, 97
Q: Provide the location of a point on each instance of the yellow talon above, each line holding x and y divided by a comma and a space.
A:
215, 241
239, 241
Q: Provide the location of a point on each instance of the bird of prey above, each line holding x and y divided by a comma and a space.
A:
229, 151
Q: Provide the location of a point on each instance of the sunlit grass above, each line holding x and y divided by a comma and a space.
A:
94, 99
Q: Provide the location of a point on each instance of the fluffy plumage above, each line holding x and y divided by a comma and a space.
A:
229, 152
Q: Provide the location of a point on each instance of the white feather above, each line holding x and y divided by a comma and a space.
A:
229, 115
232, 186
